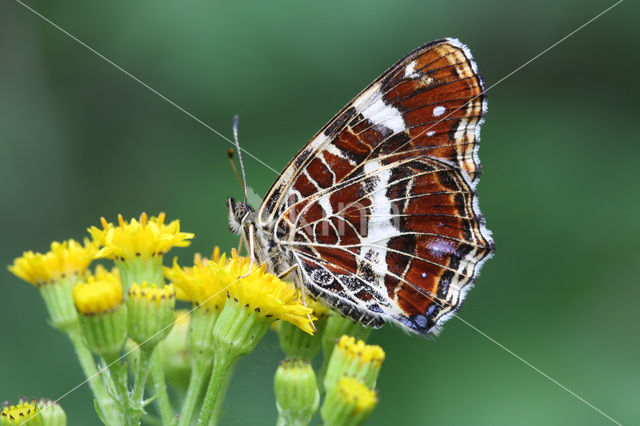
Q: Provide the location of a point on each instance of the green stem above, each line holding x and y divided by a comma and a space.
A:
160, 390
199, 372
88, 365
119, 374
142, 370
217, 408
221, 365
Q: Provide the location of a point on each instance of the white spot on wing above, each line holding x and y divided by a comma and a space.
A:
410, 71
380, 228
431, 133
326, 205
332, 149
438, 111
372, 107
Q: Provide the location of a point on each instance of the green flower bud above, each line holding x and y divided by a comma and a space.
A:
150, 313
297, 396
52, 414
296, 343
174, 352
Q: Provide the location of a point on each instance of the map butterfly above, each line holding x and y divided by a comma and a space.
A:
377, 216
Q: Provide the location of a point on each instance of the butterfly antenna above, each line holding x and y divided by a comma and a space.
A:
235, 136
233, 166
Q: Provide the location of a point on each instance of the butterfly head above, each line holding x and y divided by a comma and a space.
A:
240, 213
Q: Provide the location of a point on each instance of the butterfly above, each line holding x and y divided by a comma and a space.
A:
377, 216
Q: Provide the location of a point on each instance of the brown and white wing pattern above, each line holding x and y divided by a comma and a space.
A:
379, 210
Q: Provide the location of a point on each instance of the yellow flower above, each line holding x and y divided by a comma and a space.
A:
360, 351
200, 284
265, 293
353, 359
319, 309
23, 413
255, 300
145, 239
357, 394
66, 259
103, 315
350, 403
99, 293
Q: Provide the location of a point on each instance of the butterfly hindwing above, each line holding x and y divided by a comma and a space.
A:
379, 209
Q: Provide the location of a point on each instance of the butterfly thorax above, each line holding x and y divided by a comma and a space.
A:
258, 238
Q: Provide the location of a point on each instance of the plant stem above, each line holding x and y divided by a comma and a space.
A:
199, 373
222, 393
221, 365
90, 370
160, 390
119, 374
141, 372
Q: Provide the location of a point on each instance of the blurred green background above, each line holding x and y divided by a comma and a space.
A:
79, 140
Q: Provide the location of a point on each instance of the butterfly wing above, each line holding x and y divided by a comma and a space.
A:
379, 209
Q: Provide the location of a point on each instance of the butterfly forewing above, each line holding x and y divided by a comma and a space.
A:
379, 209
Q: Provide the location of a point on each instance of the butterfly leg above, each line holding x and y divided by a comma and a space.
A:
284, 274
240, 244
251, 248
303, 293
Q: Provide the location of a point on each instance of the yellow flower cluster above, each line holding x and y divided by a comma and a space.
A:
23, 413
68, 258
211, 281
98, 293
266, 294
365, 354
146, 238
357, 394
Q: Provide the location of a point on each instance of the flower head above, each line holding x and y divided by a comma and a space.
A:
138, 239
358, 351
356, 359
200, 284
23, 413
103, 316
65, 259
265, 293
349, 404
98, 293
